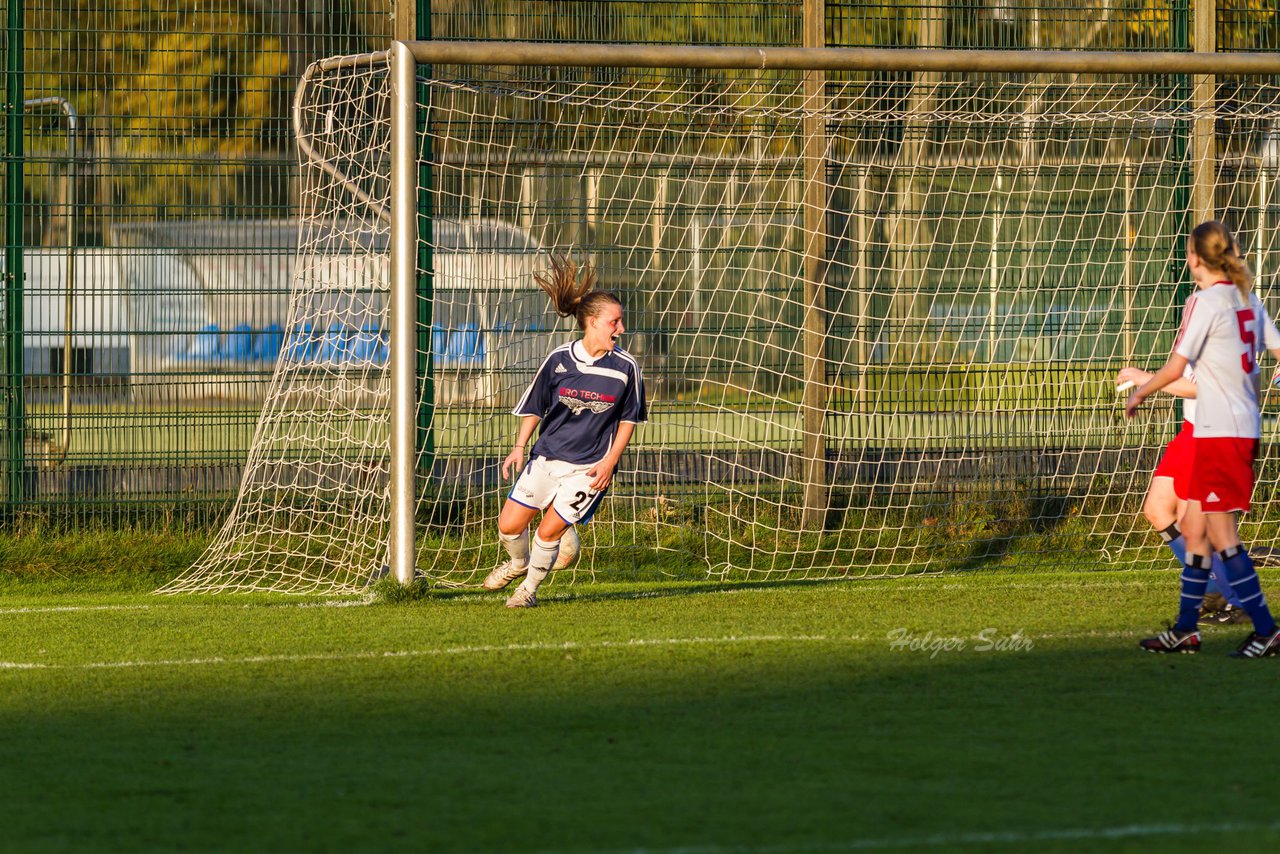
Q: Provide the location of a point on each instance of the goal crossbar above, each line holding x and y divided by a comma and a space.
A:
841, 59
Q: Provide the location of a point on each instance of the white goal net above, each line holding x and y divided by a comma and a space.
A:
990, 248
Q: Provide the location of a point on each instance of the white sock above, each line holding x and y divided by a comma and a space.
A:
542, 556
517, 546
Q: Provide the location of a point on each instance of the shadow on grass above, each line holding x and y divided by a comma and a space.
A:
390, 591
769, 747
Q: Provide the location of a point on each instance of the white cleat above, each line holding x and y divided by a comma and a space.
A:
503, 575
523, 599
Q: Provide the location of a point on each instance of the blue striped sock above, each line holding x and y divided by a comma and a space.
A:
1195, 577
1175, 541
1244, 581
1218, 582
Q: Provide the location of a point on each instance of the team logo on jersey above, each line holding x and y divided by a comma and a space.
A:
579, 406
579, 400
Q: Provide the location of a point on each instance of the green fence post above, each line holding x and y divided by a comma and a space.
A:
15, 416
426, 263
1180, 39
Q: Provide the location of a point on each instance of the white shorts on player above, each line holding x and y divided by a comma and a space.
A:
564, 487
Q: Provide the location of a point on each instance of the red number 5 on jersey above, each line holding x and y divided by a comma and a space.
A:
1244, 319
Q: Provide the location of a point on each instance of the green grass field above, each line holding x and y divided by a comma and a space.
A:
664, 718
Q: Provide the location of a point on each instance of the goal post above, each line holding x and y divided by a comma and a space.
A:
822, 418
404, 314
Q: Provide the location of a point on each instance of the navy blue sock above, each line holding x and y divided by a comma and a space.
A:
1212, 587
1195, 576
1218, 582
1175, 541
1244, 581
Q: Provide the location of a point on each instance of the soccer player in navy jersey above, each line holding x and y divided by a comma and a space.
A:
1224, 325
585, 402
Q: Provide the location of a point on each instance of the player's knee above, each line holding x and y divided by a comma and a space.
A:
511, 527
1158, 513
552, 527
1196, 538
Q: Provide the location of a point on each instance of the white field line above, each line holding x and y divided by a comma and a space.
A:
175, 604
953, 840
72, 609
484, 649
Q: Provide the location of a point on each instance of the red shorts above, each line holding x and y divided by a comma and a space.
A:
1177, 459
1222, 474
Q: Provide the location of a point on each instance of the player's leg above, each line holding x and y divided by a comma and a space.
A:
513, 533
542, 557
1164, 505
531, 492
1221, 605
574, 502
1225, 538
1164, 510
1182, 635
1264, 640
1223, 482
1196, 568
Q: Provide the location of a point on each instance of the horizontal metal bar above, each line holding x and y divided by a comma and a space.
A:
307, 151
356, 60
842, 59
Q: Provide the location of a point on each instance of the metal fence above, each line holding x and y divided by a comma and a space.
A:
150, 175
150, 199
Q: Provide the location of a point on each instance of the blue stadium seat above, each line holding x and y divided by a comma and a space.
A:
239, 342
439, 343
368, 345
267, 343
206, 346
472, 349
465, 348
453, 349
335, 346
303, 345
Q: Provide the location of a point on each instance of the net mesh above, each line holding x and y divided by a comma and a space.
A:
992, 250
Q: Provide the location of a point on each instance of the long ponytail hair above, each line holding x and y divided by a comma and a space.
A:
572, 291
1212, 241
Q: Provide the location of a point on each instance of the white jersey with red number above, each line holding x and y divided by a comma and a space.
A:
1222, 333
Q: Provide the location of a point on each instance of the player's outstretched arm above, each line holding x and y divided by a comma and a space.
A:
1170, 373
1130, 377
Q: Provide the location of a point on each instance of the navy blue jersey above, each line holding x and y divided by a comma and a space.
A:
581, 402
